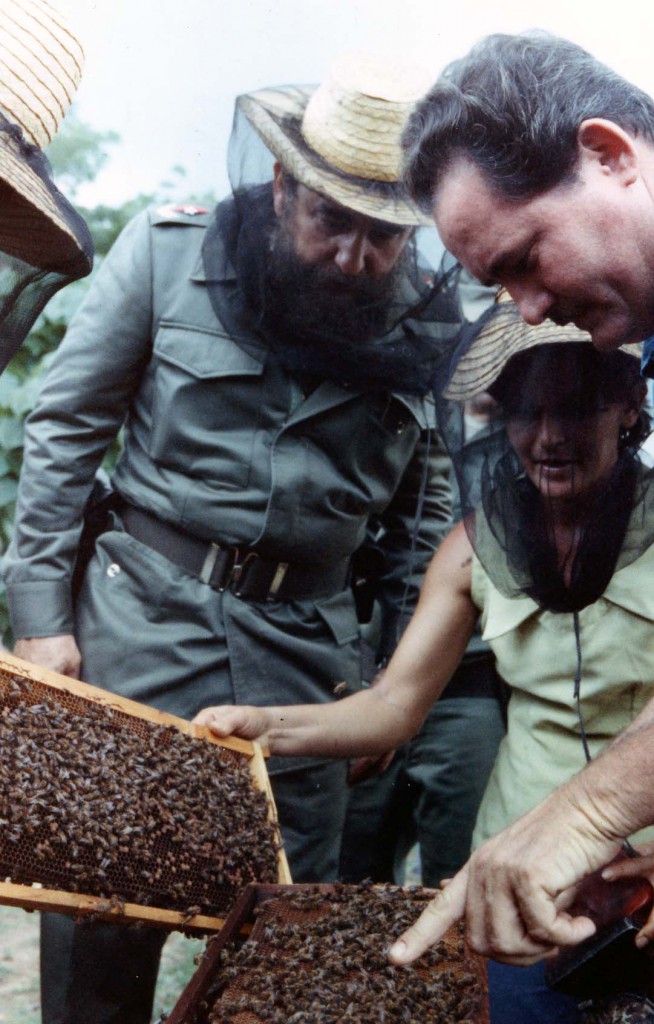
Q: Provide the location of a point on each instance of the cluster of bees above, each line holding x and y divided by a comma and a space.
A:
93, 800
97, 801
314, 958
625, 1008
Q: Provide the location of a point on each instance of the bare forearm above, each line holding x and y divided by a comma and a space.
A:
617, 788
368, 722
390, 712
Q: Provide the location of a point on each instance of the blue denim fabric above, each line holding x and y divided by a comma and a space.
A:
520, 995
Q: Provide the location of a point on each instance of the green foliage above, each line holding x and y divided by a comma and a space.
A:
106, 222
77, 154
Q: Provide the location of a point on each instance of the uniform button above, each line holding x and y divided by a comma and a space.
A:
113, 570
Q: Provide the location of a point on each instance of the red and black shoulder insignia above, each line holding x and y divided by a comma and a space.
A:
178, 211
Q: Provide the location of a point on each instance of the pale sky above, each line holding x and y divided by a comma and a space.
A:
164, 73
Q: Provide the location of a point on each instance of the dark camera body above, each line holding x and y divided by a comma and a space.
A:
608, 963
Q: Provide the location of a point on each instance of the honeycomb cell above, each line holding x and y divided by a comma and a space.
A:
97, 801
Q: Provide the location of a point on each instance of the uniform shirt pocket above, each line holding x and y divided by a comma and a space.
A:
206, 405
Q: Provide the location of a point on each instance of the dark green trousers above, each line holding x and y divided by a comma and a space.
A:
152, 633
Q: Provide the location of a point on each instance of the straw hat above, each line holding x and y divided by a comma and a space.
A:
40, 68
342, 138
503, 334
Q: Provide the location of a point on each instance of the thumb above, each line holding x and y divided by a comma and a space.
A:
224, 721
447, 907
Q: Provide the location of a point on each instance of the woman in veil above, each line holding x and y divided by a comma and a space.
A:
555, 554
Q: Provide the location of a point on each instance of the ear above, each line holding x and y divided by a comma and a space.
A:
612, 148
279, 189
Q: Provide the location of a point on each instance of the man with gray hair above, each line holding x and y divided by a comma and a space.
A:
537, 164
536, 161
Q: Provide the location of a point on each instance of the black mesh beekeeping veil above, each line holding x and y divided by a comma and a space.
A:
44, 243
553, 490
367, 333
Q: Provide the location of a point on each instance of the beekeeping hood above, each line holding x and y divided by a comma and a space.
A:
502, 359
341, 140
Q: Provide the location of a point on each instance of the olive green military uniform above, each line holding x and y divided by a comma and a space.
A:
221, 442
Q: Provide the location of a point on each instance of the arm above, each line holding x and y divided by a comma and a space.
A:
80, 409
413, 525
514, 890
374, 720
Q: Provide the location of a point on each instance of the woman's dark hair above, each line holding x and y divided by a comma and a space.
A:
524, 557
605, 378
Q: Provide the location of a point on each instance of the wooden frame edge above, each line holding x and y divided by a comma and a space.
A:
30, 897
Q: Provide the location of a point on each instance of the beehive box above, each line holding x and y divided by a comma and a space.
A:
626, 1008
317, 955
112, 809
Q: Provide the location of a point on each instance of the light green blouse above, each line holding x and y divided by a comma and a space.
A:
536, 654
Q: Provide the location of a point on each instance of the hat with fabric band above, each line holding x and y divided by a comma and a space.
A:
342, 138
501, 334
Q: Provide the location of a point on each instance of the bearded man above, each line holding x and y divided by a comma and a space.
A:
269, 364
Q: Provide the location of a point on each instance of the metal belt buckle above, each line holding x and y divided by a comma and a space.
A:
224, 567
241, 574
218, 567
277, 580
238, 573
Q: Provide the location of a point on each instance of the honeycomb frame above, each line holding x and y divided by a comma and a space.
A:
32, 894
244, 923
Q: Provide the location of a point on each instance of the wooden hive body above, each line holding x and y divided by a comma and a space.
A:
254, 971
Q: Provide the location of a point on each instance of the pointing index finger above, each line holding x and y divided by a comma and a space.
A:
447, 907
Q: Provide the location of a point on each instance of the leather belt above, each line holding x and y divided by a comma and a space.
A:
241, 570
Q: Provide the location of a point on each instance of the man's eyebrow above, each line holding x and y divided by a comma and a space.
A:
326, 206
507, 260
488, 281
501, 263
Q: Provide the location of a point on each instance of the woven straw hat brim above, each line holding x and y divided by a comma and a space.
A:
498, 341
40, 68
32, 226
41, 62
276, 115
